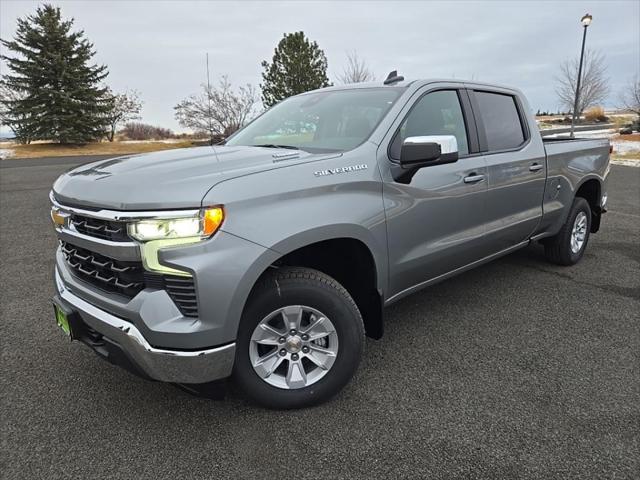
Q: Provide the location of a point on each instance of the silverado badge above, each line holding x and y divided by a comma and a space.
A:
334, 171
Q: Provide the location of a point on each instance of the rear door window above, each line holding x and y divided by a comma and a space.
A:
502, 124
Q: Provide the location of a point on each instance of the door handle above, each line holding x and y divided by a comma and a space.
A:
473, 178
536, 167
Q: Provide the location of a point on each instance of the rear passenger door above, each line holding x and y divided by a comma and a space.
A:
516, 168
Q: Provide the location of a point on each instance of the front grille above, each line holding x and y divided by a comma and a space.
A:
106, 273
99, 228
129, 278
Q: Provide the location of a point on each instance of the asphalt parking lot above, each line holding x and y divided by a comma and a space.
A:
518, 369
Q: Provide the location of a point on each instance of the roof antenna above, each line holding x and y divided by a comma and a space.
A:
393, 77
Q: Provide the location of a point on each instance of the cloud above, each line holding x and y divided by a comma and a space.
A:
159, 47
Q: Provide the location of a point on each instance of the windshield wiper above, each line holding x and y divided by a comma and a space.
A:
271, 145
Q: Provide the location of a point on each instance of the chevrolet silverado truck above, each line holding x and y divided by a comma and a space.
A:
269, 259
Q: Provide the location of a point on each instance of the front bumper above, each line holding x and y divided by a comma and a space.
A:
124, 344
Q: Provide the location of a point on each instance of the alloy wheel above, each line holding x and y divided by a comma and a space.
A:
579, 232
293, 347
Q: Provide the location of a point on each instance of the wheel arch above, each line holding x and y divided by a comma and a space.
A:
590, 188
348, 259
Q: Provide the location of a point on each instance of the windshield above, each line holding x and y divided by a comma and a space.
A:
325, 121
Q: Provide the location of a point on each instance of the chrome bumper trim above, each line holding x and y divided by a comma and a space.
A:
164, 365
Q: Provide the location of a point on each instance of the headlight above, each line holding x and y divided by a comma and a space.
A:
199, 226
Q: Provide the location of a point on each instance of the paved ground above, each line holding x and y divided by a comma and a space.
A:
518, 369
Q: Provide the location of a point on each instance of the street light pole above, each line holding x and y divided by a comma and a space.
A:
586, 21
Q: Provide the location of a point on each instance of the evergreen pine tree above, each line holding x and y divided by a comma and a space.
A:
298, 66
58, 92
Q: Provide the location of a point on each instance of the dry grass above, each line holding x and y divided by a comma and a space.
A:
36, 150
634, 137
548, 118
626, 156
621, 120
594, 113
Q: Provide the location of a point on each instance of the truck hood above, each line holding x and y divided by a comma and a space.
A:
170, 179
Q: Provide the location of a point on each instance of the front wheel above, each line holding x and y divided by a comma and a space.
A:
300, 340
568, 246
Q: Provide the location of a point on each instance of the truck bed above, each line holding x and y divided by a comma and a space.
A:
571, 162
572, 150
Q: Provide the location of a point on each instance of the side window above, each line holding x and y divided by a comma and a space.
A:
502, 123
436, 113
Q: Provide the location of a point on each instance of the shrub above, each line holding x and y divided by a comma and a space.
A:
143, 131
594, 114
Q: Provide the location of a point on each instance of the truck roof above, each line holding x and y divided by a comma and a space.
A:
415, 83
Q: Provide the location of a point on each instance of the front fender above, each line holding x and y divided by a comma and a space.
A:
225, 269
339, 231
293, 207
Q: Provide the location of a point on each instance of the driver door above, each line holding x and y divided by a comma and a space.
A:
436, 223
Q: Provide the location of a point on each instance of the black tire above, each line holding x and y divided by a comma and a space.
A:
558, 248
300, 286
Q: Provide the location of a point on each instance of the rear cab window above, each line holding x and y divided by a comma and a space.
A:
501, 119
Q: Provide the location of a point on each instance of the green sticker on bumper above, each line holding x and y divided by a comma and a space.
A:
62, 320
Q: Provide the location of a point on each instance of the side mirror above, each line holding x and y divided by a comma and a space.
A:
420, 152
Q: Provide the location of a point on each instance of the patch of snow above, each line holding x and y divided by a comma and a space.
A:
584, 134
626, 146
595, 134
6, 153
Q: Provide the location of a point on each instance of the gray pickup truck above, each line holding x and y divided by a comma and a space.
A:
269, 258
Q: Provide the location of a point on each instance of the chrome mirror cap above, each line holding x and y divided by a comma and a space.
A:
448, 143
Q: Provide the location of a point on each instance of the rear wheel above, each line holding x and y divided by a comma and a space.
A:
300, 339
568, 246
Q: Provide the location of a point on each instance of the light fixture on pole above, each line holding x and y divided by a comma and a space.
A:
586, 21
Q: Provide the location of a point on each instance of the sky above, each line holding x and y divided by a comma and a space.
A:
158, 47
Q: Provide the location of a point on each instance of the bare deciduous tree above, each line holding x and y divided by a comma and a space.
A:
144, 131
124, 108
630, 96
356, 70
594, 86
219, 111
